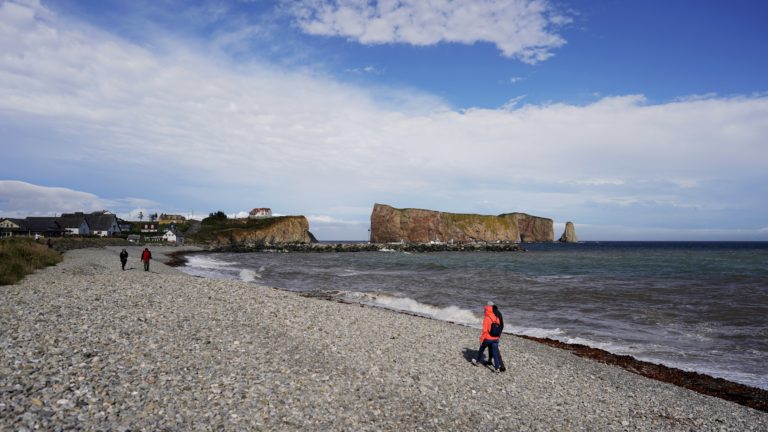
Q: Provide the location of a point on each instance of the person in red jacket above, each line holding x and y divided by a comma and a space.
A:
146, 256
490, 338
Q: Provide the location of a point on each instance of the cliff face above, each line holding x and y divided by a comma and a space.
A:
244, 234
534, 229
569, 235
389, 224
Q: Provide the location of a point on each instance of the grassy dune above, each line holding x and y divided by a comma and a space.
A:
21, 256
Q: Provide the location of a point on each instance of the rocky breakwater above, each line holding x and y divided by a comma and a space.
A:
390, 224
394, 247
253, 234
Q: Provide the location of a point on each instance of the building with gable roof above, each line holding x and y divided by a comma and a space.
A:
103, 223
259, 213
74, 223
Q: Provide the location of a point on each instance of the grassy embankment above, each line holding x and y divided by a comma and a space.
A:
21, 256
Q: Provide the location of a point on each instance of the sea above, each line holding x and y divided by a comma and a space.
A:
695, 306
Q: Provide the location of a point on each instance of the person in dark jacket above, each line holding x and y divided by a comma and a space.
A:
145, 257
123, 257
489, 341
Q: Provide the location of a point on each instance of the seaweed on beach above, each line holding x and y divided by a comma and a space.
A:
718, 387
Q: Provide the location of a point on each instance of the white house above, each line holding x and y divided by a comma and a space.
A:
172, 236
258, 213
103, 223
74, 224
169, 236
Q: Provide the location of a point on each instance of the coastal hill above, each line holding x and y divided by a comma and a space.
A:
220, 232
389, 225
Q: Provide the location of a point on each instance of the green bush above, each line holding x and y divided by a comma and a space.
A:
21, 256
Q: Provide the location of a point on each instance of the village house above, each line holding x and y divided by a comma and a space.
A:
173, 236
149, 227
74, 224
259, 213
44, 226
10, 226
103, 223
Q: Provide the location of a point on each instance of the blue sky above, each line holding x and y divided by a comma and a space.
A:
635, 120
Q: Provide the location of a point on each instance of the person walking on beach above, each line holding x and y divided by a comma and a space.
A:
502, 367
145, 257
123, 257
489, 338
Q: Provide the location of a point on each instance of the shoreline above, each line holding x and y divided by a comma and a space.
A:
742, 394
89, 346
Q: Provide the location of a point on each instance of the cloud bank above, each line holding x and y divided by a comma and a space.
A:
194, 133
522, 29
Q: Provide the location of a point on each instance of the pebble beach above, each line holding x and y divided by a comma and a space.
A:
88, 346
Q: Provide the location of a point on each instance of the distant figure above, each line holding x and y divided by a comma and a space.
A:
37, 237
49, 243
123, 257
145, 257
489, 338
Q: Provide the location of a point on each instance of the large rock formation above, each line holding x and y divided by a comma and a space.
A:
389, 224
569, 235
254, 233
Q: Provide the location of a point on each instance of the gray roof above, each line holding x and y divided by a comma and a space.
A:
17, 221
69, 220
99, 221
41, 224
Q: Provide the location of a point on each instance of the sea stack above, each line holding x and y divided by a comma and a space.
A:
569, 235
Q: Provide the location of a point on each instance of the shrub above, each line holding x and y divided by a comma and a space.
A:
21, 256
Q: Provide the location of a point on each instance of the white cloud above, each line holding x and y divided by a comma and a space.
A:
325, 219
22, 199
523, 29
365, 70
600, 182
239, 135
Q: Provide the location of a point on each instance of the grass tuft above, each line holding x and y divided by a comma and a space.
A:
22, 256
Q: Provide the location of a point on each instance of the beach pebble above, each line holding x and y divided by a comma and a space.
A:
88, 346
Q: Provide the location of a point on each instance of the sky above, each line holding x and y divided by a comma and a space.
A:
635, 120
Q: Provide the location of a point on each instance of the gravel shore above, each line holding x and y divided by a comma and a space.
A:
88, 346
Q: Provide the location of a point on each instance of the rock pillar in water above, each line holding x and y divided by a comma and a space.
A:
569, 235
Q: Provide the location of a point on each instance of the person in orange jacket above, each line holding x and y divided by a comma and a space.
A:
146, 256
489, 338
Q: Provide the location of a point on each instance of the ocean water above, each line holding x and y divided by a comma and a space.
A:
699, 306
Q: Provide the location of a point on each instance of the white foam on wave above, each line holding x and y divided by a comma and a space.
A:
534, 331
451, 313
611, 347
206, 262
247, 275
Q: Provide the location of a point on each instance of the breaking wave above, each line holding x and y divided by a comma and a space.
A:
450, 313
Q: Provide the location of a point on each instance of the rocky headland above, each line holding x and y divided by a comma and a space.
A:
252, 234
389, 224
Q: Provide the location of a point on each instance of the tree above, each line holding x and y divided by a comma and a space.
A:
141, 216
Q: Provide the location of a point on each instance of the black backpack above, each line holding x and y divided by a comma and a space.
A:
496, 329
